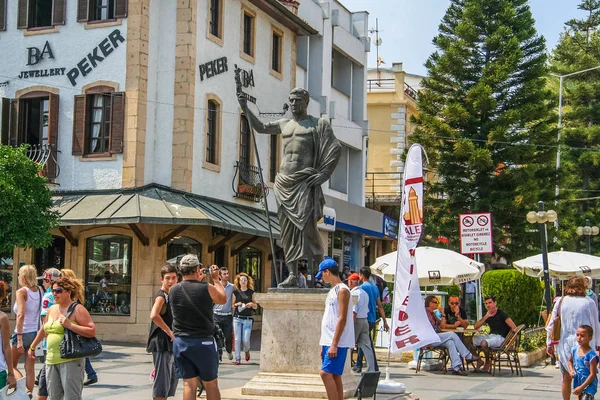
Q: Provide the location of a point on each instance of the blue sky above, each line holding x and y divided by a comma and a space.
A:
407, 27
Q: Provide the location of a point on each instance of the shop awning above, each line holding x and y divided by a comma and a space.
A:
157, 204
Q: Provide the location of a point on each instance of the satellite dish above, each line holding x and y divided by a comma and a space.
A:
378, 42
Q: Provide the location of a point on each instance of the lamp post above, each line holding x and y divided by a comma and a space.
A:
588, 231
540, 217
559, 126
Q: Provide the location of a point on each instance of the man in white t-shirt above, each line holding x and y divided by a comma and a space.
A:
337, 329
360, 308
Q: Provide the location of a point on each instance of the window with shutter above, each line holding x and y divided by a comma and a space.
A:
51, 163
40, 13
99, 122
120, 8
82, 10
4, 125
2, 15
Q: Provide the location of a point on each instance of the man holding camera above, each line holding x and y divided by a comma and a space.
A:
194, 346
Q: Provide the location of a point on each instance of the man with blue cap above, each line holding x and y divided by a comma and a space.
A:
337, 329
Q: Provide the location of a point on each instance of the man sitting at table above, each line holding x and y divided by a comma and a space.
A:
500, 325
454, 315
449, 340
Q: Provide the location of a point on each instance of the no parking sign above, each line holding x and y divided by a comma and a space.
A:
476, 233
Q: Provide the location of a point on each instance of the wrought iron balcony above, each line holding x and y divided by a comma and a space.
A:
412, 93
46, 155
246, 182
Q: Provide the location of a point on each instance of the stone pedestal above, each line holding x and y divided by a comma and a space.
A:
290, 353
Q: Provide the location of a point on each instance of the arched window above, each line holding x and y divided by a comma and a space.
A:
182, 245
108, 275
249, 260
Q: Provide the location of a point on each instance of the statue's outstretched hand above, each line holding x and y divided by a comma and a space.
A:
242, 100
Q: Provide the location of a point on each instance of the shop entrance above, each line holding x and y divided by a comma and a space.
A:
52, 256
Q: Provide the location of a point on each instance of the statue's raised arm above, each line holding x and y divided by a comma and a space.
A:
271, 128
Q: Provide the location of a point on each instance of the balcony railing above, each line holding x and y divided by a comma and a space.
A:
382, 187
246, 182
46, 155
389, 85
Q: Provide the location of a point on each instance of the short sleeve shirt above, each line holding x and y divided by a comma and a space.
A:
373, 293
498, 323
47, 301
361, 306
451, 317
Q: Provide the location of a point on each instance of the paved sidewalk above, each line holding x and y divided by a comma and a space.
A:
123, 373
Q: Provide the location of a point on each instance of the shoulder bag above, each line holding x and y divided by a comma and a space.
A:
555, 333
77, 346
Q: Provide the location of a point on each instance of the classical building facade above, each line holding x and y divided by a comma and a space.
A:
131, 107
391, 101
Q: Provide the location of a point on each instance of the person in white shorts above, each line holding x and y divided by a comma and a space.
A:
500, 325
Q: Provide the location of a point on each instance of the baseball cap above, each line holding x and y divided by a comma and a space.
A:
189, 260
325, 264
353, 277
51, 274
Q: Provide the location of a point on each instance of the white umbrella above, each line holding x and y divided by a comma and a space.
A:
434, 266
561, 264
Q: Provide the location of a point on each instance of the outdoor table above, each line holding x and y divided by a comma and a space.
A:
467, 330
466, 339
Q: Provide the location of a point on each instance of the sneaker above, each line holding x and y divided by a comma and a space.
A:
90, 381
247, 356
230, 355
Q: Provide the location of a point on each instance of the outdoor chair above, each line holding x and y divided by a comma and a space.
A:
513, 352
437, 353
508, 352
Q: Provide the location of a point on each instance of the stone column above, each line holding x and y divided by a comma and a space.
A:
290, 353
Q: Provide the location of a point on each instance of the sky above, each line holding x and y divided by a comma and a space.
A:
407, 27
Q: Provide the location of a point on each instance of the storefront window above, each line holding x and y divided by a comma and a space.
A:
6, 268
249, 260
180, 246
108, 275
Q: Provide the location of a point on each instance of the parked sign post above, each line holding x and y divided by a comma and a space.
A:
476, 233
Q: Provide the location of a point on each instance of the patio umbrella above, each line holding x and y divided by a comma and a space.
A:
434, 267
561, 264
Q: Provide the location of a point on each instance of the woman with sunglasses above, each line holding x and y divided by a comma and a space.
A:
27, 308
64, 377
244, 305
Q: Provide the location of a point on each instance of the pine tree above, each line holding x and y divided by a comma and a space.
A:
579, 49
485, 122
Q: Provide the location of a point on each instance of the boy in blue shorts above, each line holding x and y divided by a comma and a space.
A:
337, 329
583, 365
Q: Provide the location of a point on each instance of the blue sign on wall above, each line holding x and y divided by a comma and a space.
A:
390, 227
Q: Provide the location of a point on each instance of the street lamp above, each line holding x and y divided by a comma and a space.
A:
559, 126
540, 217
588, 231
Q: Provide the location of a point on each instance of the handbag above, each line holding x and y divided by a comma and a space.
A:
77, 346
20, 393
555, 333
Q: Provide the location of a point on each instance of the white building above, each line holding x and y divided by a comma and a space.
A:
132, 107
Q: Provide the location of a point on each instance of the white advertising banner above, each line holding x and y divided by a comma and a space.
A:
410, 326
476, 233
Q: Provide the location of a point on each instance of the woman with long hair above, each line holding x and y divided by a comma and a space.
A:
574, 309
92, 376
28, 306
243, 304
64, 377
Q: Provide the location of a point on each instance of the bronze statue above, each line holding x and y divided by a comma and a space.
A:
310, 155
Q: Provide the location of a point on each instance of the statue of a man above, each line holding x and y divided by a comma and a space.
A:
310, 154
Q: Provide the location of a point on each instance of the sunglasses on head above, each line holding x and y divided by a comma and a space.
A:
454, 303
57, 290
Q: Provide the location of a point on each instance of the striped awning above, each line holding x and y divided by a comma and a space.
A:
157, 204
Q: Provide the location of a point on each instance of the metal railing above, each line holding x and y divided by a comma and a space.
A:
389, 85
46, 155
382, 187
246, 182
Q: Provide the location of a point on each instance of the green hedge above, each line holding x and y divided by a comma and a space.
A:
517, 294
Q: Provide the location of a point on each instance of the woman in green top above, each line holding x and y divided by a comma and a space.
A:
64, 377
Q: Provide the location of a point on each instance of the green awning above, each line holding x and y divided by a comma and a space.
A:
157, 204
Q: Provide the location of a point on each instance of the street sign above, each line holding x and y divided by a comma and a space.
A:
476, 233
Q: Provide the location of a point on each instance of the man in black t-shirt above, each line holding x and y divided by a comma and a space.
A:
194, 345
500, 325
454, 315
